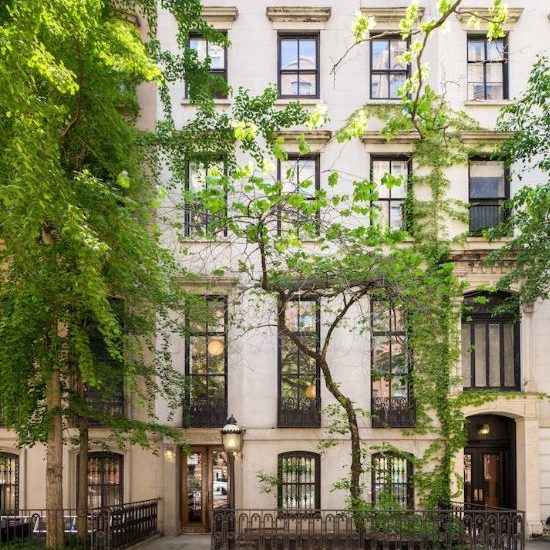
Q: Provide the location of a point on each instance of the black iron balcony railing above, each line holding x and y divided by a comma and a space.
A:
456, 528
107, 407
205, 413
393, 412
305, 413
484, 216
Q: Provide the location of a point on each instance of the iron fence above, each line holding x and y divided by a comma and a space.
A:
453, 529
107, 528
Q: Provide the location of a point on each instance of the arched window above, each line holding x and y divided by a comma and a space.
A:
9, 482
299, 488
490, 343
392, 481
105, 476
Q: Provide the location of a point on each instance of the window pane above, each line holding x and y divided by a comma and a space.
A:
197, 362
476, 50
494, 355
495, 91
381, 356
476, 91
199, 45
216, 308
396, 214
397, 48
396, 83
495, 50
308, 54
289, 84
480, 356
379, 168
494, 73
475, 73
380, 315
289, 54
197, 177
379, 86
307, 84
509, 356
399, 169
466, 356
380, 55
381, 215
487, 180
217, 56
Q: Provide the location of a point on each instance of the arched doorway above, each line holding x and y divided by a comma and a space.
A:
490, 461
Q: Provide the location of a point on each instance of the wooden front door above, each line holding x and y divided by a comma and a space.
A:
205, 486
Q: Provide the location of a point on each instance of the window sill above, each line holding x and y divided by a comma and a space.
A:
488, 103
302, 100
219, 101
384, 101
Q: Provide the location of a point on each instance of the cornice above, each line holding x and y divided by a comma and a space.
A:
220, 14
388, 18
488, 137
313, 137
374, 137
298, 14
465, 13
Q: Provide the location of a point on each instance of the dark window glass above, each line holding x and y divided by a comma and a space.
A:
488, 189
388, 72
392, 481
391, 201
392, 399
487, 67
9, 482
206, 366
105, 475
299, 482
490, 344
217, 55
299, 65
299, 399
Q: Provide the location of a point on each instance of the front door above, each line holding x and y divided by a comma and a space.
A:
205, 485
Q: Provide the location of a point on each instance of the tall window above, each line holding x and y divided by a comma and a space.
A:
105, 479
9, 482
299, 385
487, 68
388, 71
392, 481
488, 188
206, 366
202, 177
300, 175
299, 65
490, 344
392, 398
299, 486
217, 55
391, 199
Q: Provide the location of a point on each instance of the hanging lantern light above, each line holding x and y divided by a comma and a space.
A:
215, 347
310, 391
484, 429
232, 436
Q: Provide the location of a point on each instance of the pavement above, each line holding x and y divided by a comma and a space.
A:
202, 542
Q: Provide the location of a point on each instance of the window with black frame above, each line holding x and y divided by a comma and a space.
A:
9, 482
299, 482
489, 188
206, 366
300, 175
105, 479
388, 70
490, 343
391, 199
392, 481
391, 391
299, 374
298, 65
487, 68
202, 177
217, 55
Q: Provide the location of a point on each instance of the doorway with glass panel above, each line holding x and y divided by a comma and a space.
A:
205, 486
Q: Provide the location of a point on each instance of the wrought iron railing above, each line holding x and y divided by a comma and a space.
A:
107, 528
300, 414
393, 412
456, 529
205, 413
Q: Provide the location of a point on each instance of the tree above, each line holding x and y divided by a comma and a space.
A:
528, 222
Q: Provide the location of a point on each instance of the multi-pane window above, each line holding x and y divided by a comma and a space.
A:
299, 399
217, 55
488, 190
300, 175
200, 178
391, 198
487, 68
105, 479
299, 485
490, 344
388, 70
392, 399
299, 65
206, 366
9, 482
392, 485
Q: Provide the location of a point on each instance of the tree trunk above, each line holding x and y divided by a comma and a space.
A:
82, 482
54, 464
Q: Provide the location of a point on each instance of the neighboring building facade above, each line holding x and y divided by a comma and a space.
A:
254, 375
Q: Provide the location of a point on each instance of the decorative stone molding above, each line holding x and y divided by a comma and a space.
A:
305, 16
464, 15
484, 137
388, 19
470, 262
220, 17
373, 137
207, 283
314, 137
